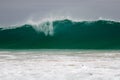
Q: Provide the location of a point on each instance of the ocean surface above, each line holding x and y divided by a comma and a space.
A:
62, 34
60, 50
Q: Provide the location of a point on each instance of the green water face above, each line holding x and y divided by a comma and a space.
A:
68, 34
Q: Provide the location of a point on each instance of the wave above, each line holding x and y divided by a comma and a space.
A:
62, 34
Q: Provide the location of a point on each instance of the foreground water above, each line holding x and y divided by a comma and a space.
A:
59, 65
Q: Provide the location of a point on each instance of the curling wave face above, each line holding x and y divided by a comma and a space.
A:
62, 34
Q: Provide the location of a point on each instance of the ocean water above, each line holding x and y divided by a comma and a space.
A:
62, 34
60, 50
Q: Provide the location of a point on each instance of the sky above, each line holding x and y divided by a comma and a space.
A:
19, 11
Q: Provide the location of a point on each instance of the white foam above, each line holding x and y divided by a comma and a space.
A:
32, 66
43, 26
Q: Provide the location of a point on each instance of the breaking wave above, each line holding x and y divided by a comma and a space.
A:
62, 34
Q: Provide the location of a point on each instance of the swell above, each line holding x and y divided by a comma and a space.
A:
63, 34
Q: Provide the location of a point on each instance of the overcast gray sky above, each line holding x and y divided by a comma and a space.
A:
15, 11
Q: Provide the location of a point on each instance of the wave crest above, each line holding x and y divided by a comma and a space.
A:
100, 34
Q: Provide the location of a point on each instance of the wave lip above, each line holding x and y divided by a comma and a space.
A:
100, 34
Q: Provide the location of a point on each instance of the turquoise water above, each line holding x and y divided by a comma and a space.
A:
62, 34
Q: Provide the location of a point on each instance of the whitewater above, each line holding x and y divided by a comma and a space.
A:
59, 65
